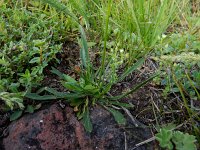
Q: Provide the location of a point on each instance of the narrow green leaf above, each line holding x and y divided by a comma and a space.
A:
15, 115
84, 50
64, 94
72, 86
68, 78
106, 89
86, 121
133, 89
81, 7
39, 91
119, 118
74, 95
56, 93
131, 69
35, 96
35, 60
60, 7
57, 72
89, 87
121, 104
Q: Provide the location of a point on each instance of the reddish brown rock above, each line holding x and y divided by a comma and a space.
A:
48, 129
54, 128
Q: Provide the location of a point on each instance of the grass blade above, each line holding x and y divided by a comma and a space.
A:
69, 79
121, 104
81, 8
60, 7
84, 50
133, 89
131, 69
72, 86
56, 93
108, 13
57, 72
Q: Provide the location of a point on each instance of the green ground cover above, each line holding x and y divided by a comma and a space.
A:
124, 33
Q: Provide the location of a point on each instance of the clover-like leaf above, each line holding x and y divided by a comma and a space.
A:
164, 137
184, 141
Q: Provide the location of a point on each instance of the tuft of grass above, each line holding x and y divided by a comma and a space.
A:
93, 85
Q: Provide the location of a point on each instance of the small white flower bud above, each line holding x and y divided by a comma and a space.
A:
121, 50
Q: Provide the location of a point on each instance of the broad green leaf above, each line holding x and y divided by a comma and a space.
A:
119, 118
184, 141
15, 115
30, 109
188, 142
86, 121
164, 137
35, 96
131, 69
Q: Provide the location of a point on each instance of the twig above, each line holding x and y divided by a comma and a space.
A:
144, 142
131, 116
125, 142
